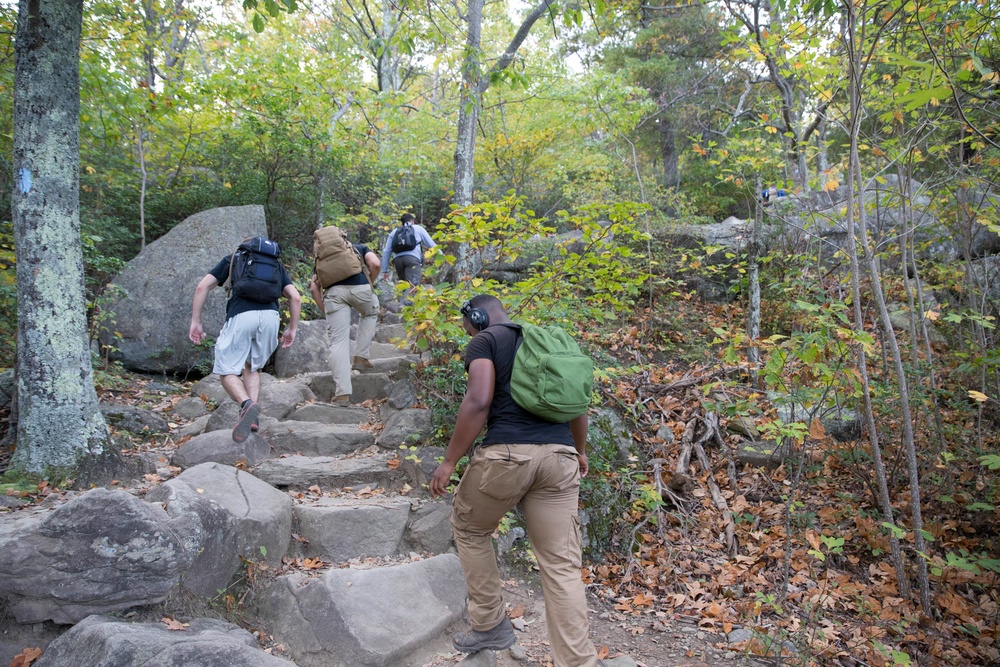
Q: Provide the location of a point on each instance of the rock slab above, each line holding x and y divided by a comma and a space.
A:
102, 641
101, 552
237, 516
364, 618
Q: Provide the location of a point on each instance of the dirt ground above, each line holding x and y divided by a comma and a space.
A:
650, 640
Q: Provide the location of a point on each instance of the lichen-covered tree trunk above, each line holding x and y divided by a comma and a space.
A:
60, 428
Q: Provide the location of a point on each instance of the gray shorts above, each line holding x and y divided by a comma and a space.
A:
251, 336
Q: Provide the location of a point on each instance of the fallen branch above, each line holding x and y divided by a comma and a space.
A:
713, 487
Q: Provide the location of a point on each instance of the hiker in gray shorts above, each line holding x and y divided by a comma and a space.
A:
247, 340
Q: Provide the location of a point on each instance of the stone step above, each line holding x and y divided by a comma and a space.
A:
327, 472
359, 524
364, 618
365, 386
327, 413
316, 439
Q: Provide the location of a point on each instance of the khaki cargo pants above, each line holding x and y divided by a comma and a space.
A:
544, 479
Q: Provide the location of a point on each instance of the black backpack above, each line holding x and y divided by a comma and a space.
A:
254, 271
405, 238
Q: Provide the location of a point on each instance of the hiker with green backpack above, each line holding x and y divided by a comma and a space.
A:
530, 386
255, 280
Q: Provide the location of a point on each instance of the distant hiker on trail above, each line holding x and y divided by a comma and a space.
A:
405, 247
249, 336
526, 460
343, 280
768, 193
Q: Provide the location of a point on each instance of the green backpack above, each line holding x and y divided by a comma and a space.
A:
552, 378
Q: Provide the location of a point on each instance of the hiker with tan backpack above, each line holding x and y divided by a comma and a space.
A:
343, 280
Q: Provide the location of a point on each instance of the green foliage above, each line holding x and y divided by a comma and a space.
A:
587, 279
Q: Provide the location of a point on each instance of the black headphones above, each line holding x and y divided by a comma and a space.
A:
480, 318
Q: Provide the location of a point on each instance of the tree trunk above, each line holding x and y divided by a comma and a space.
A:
854, 168
856, 204
61, 430
668, 152
474, 84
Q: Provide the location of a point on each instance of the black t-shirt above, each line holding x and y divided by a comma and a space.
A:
358, 278
509, 423
236, 304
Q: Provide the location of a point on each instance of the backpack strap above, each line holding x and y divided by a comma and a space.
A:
229, 278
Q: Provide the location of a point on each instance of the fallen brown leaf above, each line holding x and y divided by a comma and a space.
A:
173, 624
25, 657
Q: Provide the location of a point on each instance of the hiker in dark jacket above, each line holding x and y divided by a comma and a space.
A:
247, 340
523, 460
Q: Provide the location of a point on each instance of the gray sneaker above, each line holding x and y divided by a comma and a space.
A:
497, 639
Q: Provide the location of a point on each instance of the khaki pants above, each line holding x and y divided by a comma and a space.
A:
544, 479
338, 301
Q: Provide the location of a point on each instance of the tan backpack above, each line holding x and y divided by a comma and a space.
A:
336, 258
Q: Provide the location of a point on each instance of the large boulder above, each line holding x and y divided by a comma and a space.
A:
102, 641
238, 516
102, 552
309, 354
364, 618
153, 307
411, 426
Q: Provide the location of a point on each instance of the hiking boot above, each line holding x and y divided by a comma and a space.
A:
343, 399
248, 416
497, 639
360, 363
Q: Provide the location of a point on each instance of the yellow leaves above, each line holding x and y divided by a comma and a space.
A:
932, 314
699, 150
771, 129
978, 396
831, 185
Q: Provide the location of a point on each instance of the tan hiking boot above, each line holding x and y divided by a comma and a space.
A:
360, 363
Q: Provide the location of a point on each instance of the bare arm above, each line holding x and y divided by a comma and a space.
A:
317, 294
578, 427
471, 418
196, 333
373, 264
294, 309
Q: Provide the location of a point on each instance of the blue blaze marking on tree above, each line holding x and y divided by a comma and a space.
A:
24, 183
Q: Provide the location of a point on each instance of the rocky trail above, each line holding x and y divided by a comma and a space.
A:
316, 535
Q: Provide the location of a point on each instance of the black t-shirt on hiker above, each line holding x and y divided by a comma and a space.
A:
358, 278
236, 304
509, 423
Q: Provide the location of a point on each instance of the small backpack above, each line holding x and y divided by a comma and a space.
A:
336, 258
552, 378
254, 271
405, 238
